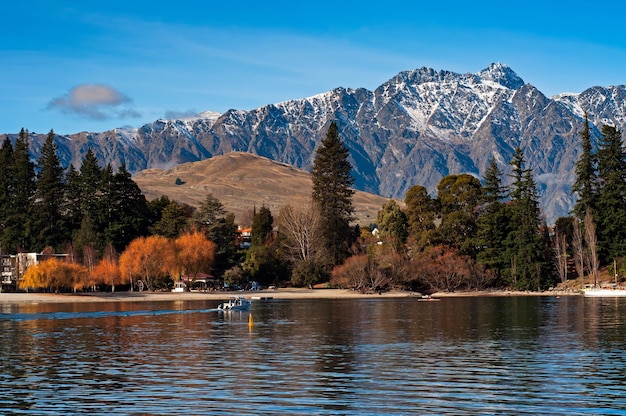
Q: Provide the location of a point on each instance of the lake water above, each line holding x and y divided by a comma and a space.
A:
509, 355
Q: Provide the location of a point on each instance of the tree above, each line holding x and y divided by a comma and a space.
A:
392, 222
493, 223
194, 254
107, 272
48, 221
6, 190
528, 265
591, 241
459, 197
332, 179
421, 212
585, 185
611, 205
300, 231
262, 226
126, 209
147, 259
219, 227
18, 233
173, 220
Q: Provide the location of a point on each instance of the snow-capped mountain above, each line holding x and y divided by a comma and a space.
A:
414, 129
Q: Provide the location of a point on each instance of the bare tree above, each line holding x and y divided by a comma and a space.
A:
300, 231
560, 255
592, 242
579, 252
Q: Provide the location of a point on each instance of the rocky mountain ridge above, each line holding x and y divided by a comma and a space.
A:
414, 129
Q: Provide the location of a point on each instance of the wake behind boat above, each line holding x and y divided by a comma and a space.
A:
235, 303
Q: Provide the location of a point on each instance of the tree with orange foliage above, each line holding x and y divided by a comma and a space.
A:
107, 272
57, 274
194, 254
146, 259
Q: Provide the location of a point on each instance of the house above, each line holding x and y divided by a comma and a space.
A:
13, 266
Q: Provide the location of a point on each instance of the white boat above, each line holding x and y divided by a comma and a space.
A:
235, 303
179, 287
605, 292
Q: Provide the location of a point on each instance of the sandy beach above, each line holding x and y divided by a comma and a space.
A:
282, 293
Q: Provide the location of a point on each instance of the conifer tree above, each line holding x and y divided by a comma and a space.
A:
49, 224
18, 232
219, 227
6, 190
262, 226
421, 212
332, 179
126, 209
585, 185
392, 223
493, 224
611, 215
528, 264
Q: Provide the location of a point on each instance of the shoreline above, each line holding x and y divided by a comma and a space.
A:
281, 293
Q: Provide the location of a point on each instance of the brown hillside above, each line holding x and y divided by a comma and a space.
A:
242, 181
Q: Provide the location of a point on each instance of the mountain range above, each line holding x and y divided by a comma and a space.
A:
414, 129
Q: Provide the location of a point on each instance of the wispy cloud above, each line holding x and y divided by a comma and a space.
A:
94, 101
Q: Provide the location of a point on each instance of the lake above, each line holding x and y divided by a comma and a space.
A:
461, 356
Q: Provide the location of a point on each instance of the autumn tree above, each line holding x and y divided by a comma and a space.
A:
148, 259
332, 179
194, 254
55, 274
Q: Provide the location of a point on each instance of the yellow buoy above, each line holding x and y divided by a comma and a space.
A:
250, 321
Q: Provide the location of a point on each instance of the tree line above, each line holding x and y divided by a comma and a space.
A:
471, 235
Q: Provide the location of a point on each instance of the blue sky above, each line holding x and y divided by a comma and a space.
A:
90, 65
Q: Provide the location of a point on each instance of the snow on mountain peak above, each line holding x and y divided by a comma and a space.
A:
501, 74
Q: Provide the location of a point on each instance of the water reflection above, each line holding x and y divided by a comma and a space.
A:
512, 355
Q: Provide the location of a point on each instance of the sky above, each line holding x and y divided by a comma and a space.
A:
83, 65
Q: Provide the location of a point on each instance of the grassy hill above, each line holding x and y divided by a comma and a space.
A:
242, 181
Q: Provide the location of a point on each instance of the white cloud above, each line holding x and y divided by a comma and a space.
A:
94, 101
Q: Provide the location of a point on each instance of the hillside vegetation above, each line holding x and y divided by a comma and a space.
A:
242, 181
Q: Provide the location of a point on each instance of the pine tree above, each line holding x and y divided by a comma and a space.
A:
6, 190
262, 226
493, 224
18, 232
49, 224
585, 185
332, 179
219, 227
528, 265
611, 215
126, 209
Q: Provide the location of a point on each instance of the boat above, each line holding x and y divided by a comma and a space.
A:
428, 298
179, 287
611, 291
235, 303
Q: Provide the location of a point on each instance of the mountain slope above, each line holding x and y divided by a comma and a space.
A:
414, 129
242, 181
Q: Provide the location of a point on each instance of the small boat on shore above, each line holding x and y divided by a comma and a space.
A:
611, 291
235, 303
